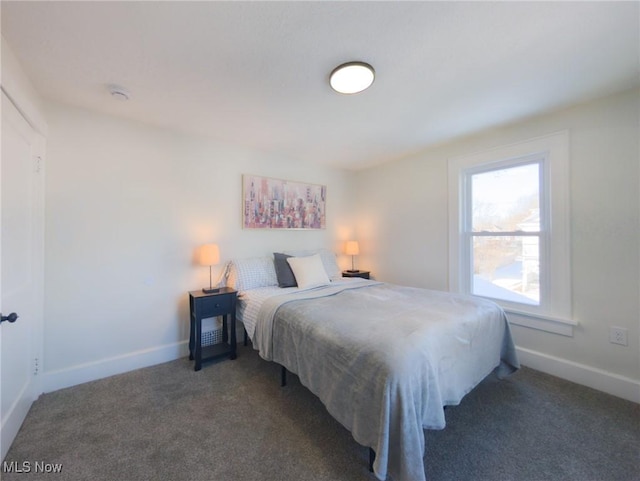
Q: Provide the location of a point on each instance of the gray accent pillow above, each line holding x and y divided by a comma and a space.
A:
283, 271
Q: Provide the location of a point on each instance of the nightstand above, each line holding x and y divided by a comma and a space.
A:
202, 306
363, 274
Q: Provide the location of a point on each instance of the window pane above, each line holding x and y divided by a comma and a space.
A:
506, 200
507, 268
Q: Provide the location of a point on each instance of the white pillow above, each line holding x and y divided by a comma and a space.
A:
329, 261
251, 273
309, 271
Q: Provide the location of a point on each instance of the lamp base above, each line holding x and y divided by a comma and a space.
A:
353, 270
210, 290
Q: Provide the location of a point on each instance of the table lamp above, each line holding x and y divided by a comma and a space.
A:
352, 249
209, 255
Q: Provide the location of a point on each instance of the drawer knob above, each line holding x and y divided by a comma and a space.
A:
217, 305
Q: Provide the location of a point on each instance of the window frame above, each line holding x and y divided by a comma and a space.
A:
553, 314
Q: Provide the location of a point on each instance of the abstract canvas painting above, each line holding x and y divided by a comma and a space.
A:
282, 204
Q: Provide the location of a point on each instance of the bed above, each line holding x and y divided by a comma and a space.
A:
385, 360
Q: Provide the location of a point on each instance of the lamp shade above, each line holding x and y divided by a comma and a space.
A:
209, 255
352, 248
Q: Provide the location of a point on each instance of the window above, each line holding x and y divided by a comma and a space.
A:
502, 232
509, 230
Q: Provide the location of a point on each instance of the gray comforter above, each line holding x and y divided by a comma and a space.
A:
385, 359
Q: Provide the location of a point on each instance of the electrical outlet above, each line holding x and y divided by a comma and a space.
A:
618, 335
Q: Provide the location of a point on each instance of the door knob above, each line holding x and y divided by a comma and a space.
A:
13, 317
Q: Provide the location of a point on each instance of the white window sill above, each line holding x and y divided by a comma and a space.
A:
555, 325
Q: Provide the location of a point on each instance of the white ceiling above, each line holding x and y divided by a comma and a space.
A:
256, 73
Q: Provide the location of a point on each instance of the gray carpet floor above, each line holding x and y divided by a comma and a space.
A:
233, 422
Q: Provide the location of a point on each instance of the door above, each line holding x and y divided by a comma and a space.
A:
21, 266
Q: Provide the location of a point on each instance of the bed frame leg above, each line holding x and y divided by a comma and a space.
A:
372, 458
283, 376
245, 337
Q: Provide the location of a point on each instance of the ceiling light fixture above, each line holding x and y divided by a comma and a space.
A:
352, 77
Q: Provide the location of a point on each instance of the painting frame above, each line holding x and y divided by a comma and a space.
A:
277, 204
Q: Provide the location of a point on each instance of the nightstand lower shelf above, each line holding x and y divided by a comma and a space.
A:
216, 351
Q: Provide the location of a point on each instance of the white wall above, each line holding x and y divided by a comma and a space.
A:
126, 207
402, 225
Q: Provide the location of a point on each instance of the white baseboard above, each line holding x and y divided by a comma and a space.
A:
608, 382
54, 380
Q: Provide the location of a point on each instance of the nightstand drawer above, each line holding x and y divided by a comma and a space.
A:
215, 305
